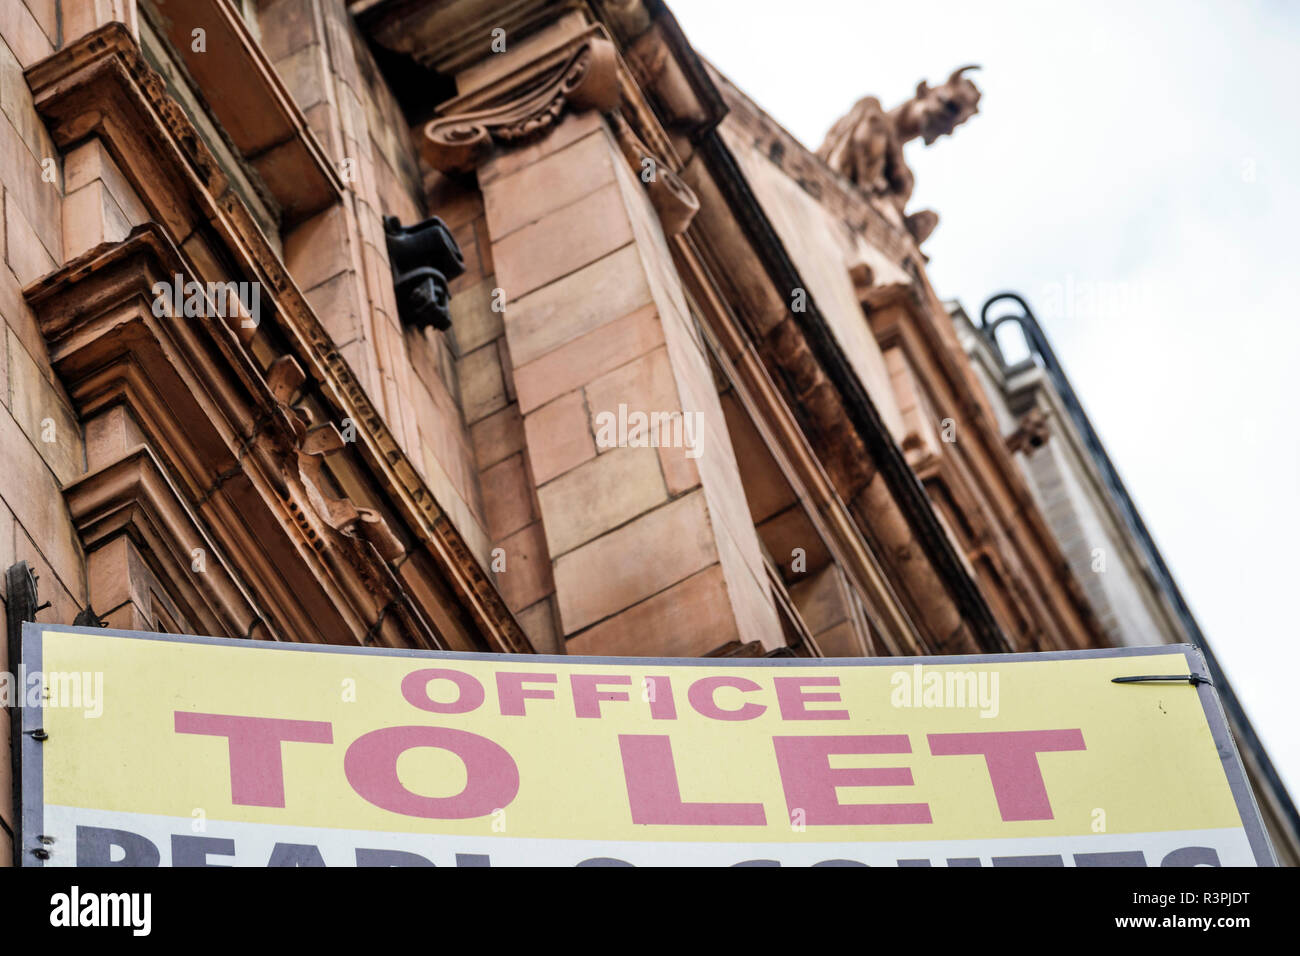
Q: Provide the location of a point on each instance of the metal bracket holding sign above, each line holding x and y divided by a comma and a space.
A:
152, 749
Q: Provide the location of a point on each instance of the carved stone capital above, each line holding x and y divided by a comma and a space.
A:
581, 74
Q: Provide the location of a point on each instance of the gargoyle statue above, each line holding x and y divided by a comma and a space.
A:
1032, 432
866, 145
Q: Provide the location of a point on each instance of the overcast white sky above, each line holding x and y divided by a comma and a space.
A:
1133, 173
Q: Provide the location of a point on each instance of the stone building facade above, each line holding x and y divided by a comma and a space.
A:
692, 393
1099, 527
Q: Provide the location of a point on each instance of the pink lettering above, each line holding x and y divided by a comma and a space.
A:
1011, 756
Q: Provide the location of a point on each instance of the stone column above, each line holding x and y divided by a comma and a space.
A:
651, 543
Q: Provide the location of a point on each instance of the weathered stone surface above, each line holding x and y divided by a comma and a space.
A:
571, 128
527, 577
604, 291
647, 386
539, 624
530, 258
109, 436
337, 301
637, 560
497, 436
91, 216
789, 530
587, 357
6, 559
558, 180
472, 317
482, 389
643, 385
5, 333
22, 32
469, 519
600, 495
41, 412
46, 14
90, 161
286, 26
748, 588
507, 497
841, 640
318, 249
685, 620
16, 104
767, 491
821, 599
28, 259
559, 437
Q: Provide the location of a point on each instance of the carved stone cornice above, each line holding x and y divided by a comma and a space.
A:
245, 459
100, 86
133, 496
580, 74
452, 34
981, 463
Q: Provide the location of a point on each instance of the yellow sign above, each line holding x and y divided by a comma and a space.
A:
156, 749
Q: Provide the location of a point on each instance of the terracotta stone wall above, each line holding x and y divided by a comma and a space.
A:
41, 444
485, 389
340, 260
653, 550
825, 250
53, 207
601, 546
831, 611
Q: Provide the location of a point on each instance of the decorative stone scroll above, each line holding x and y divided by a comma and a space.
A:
581, 75
674, 202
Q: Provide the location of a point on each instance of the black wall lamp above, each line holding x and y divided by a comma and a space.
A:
425, 257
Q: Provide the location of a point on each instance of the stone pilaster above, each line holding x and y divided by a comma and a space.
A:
650, 541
